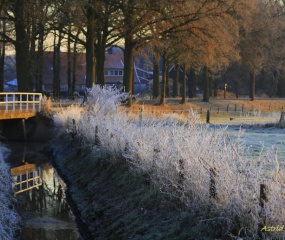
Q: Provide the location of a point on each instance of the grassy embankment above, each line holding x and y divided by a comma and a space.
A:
129, 182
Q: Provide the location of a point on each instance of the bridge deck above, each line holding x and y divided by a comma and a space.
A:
10, 114
19, 105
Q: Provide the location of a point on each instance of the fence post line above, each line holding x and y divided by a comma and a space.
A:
213, 190
208, 116
96, 135
140, 114
262, 200
126, 147
181, 178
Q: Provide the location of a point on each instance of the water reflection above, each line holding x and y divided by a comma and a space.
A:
43, 208
26, 177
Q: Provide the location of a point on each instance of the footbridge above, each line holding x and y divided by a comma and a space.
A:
19, 105
15, 109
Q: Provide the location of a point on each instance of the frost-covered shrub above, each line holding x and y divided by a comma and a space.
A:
203, 167
46, 104
104, 99
9, 218
64, 120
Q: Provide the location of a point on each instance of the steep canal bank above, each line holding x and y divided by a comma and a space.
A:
117, 203
45, 213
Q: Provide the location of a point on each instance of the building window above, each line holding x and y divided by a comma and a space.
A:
113, 72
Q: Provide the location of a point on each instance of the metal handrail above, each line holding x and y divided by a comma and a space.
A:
15, 99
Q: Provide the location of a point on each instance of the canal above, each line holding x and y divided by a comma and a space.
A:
45, 212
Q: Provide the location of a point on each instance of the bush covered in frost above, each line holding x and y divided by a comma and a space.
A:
202, 167
9, 218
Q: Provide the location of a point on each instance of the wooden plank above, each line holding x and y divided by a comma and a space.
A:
26, 189
23, 169
16, 115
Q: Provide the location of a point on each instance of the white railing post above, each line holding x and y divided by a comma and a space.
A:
27, 179
6, 105
33, 178
40, 176
27, 103
21, 102
13, 103
33, 102
20, 180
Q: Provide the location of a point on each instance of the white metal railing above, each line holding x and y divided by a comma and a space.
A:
20, 101
26, 179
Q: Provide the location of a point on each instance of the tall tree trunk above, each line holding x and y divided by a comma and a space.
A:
163, 87
32, 68
167, 79
2, 59
206, 96
2, 66
21, 48
69, 88
155, 81
100, 49
183, 101
191, 84
128, 67
39, 57
176, 80
272, 92
100, 65
74, 63
90, 49
56, 68
236, 87
210, 79
252, 85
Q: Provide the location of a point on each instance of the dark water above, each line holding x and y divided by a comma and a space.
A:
45, 213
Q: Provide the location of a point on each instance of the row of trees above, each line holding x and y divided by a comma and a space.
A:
212, 37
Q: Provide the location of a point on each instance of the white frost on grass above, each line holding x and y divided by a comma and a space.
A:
184, 160
9, 218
